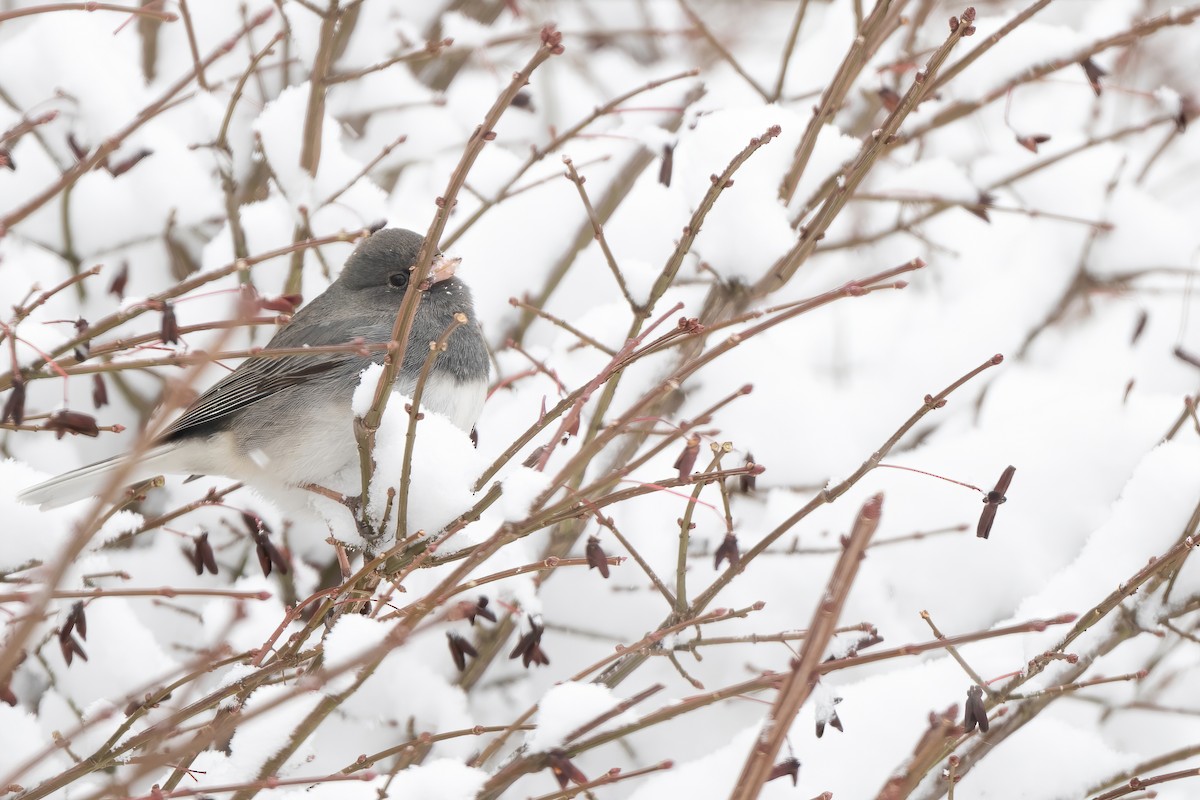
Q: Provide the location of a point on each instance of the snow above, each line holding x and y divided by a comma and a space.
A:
750, 204
521, 488
440, 779
567, 707
933, 177
444, 462
348, 646
23, 739
268, 724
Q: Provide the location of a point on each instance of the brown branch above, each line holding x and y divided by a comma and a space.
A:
558, 141
118, 318
430, 50
598, 227
800, 682
789, 47
846, 183
871, 34
956, 111
110, 144
138, 11
162, 591
191, 37
622, 670
423, 740
436, 348
365, 433
1136, 784
608, 779
1153, 763
721, 49
991, 41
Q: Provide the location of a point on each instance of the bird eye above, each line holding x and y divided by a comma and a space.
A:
398, 279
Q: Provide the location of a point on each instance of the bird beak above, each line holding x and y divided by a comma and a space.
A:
443, 269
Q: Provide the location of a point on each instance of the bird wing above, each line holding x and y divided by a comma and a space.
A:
259, 378
253, 381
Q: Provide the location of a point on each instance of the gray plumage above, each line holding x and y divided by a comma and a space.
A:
289, 420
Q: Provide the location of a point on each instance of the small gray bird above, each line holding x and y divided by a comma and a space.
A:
288, 420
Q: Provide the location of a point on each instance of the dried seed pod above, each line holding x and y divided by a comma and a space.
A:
179, 257
524, 101
70, 648
76, 621
264, 556
83, 349
126, 164
789, 767
1139, 326
992, 501
976, 713
667, 166
529, 648
169, 329
64, 421
1094, 73
481, 609
460, 648
203, 557
889, 98
1032, 141
687, 459
748, 481
827, 715
117, 285
727, 551
6, 692
99, 392
534, 457
254, 523
283, 304
14, 406
79, 151
980, 208
595, 556
564, 771
270, 556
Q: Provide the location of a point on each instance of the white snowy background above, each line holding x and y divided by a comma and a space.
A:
1084, 284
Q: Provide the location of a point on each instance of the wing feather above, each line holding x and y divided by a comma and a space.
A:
253, 381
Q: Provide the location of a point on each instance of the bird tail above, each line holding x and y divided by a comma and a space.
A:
91, 480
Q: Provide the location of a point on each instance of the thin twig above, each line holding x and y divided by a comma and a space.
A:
721, 49
799, 684
598, 227
365, 432
953, 651
414, 415
151, 13
111, 143
789, 47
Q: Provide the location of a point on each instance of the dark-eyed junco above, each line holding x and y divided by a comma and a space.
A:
289, 420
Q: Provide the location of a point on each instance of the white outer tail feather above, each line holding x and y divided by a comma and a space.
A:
89, 481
